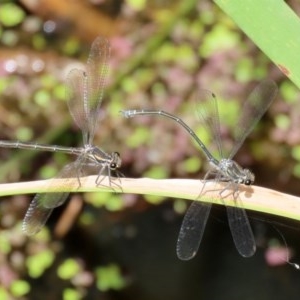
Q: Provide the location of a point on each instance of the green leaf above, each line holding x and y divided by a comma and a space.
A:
4, 294
71, 46
154, 199
86, 218
158, 90
109, 278
19, 288
245, 70
5, 82
47, 171
111, 201
68, 269
11, 14
218, 39
10, 38
59, 92
39, 262
296, 170
42, 98
114, 202
165, 53
137, 4
129, 85
289, 92
157, 172
180, 206
138, 137
192, 164
296, 152
38, 41
24, 134
71, 294
5, 245
186, 56
282, 121
274, 28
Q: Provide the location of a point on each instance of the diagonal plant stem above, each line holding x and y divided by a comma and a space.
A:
252, 197
273, 27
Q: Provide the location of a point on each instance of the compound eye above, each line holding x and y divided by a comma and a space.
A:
248, 182
113, 166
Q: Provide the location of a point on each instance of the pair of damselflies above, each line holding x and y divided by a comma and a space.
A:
223, 170
84, 92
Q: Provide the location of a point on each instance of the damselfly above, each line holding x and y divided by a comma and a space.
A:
224, 169
84, 91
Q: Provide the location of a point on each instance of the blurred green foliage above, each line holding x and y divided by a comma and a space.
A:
157, 172
220, 37
192, 164
154, 199
159, 59
109, 278
289, 91
68, 269
182, 54
4, 294
71, 294
39, 262
24, 134
137, 4
296, 170
71, 47
180, 206
4, 83
39, 42
229, 110
5, 246
48, 171
245, 70
112, 202
138, 137
59, 92
296, 152
11, 14
282, 121
20, 288
42, 98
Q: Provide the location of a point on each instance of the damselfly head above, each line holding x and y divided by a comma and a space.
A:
248, 177
115, 162
233, 171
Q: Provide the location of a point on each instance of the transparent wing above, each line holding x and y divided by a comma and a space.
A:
43, 204
75, 95
192, 229
97, 68
241, 231
208, 114
195, 219
253, 109
84, 90
36, 217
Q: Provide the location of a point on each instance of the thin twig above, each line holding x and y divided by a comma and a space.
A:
252, 197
